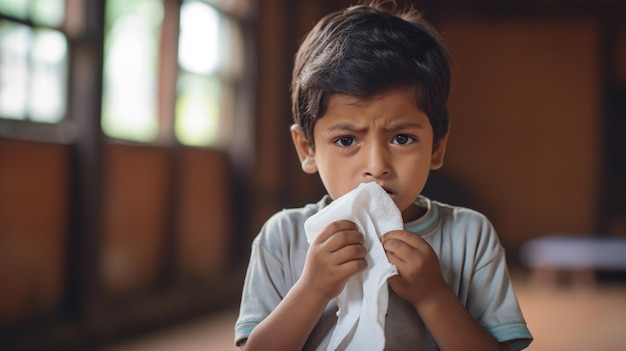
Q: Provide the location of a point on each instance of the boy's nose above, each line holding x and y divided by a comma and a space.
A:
376, 162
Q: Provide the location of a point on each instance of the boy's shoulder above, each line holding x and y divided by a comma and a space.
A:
457, 212
457, 222
296, 215
456, 217
287, 225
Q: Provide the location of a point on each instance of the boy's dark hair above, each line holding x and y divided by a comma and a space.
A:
365, 50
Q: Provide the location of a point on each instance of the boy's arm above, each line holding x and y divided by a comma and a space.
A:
452, 326
335, 255
289, 325
419, 281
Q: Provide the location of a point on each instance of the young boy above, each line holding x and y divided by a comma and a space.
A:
370, 89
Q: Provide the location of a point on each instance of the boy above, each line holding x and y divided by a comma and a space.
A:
369, 96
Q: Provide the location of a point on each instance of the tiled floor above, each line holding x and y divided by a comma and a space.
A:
560, 318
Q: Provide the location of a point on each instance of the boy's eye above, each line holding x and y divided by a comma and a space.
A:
345, 141
403, 139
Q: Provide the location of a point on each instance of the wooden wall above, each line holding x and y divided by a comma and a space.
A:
34, 222
526, 123
164, 249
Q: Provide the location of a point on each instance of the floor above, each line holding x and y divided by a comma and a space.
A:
211, 333
559, 317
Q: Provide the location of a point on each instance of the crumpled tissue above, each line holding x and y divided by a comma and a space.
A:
362, 305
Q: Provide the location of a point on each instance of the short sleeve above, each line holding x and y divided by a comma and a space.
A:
276, 261
261, 290
491, 299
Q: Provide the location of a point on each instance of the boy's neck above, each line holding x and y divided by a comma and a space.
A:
412, 213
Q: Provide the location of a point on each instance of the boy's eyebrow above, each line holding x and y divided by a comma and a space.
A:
404, 125
343, 127
394, 127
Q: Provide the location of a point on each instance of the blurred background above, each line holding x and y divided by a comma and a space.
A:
143, 143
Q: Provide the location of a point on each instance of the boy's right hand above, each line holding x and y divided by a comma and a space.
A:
337, 253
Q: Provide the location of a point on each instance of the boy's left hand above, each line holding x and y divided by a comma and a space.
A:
419, 276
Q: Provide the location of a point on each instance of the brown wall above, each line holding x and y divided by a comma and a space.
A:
34, 199
162, 232
136, 216
526, 122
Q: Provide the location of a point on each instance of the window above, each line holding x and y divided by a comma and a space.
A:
210, 59
209, 68
169, 76
33, 61
129, 101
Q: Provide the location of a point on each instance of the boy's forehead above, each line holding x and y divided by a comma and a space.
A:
360, 99
394, 109
346, 99
350, 100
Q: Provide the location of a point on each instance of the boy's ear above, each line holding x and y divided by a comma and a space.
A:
304, 150
439, 151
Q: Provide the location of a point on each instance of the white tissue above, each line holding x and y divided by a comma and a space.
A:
363, 302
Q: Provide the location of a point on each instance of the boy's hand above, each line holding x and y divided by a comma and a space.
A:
419, 275
335, 255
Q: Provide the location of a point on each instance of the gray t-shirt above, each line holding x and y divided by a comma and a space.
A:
472, 263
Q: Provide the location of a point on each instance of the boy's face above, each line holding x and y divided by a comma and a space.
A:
385, 139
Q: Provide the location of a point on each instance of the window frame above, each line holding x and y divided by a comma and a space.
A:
73, 27
65, 130
168, 69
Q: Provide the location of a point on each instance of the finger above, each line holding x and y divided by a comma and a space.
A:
350, 253
333, 228
343, 239
397, 249
409, 238
354, 266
